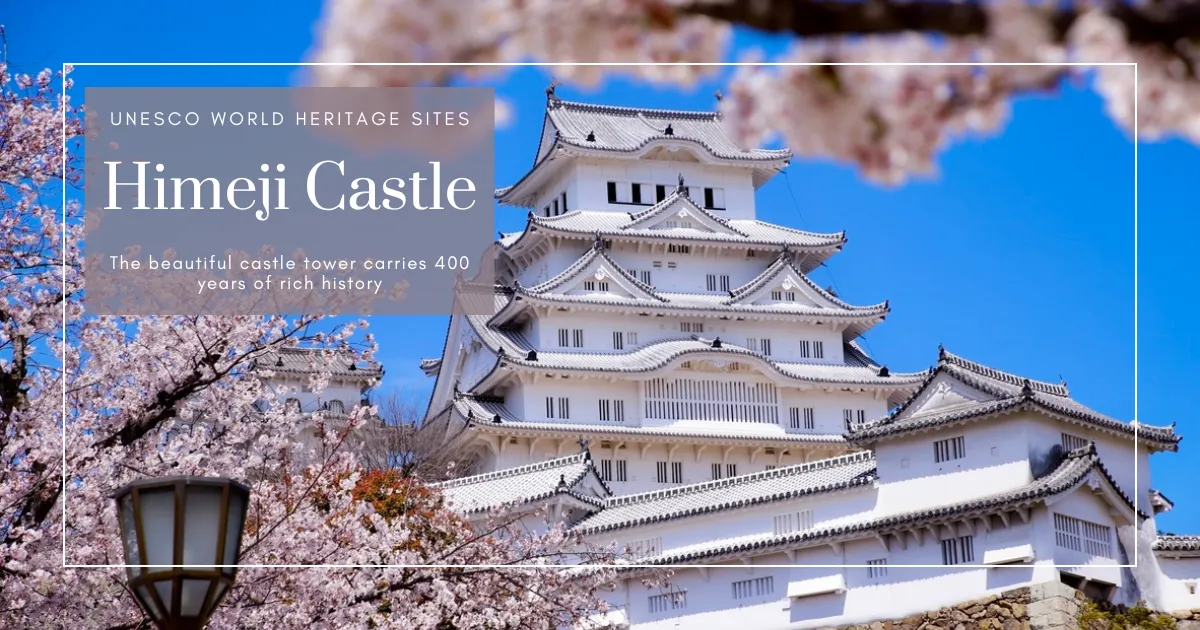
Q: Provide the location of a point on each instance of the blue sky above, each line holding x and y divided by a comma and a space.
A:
1019, 254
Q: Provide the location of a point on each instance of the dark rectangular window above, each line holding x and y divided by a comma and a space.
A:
660, 192
708, 197
564, 202
637, 193
555, 207
612, 192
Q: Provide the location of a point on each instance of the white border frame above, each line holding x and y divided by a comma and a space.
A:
1135, 421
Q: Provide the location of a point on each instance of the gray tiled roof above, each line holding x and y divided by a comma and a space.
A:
1012, 393
1071, 472
1177, 545
490, 414
828, 475
616, 225
858, 319
431, 366
309, 360
628, 129
782, 264
523, 485
576, 268
654, 356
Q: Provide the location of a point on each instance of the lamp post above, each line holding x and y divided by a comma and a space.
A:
172, 521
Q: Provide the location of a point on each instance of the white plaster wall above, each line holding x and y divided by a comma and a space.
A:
1180, 583
1116, 452
598, 328
592, 177
732, 526
828, 408
349, 393
901, 592
910, 479
584, 395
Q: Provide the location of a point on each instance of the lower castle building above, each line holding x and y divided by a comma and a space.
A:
656, 368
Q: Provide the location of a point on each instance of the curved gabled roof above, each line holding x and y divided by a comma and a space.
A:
750, 233
1011, 393
828, 475
575, 269
630, 130
783, 264
524, 485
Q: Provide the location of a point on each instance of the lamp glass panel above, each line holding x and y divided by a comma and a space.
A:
234, 523
201, 526
129, 535
191, 598
165, 589
148, 603
220, 592
158, 525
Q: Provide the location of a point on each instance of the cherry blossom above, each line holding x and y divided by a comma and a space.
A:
160, 396
888, 121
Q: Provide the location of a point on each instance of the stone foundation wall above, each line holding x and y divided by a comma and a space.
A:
1048, 606
1009, 610
1187, 619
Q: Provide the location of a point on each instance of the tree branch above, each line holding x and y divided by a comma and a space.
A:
1158, 24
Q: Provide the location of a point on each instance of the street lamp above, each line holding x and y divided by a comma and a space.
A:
172, 521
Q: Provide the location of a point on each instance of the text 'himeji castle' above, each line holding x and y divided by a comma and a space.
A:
655, 365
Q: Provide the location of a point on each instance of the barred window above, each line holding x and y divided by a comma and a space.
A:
876, 568
1084, 536
716, 471
949, 449
805, 349
676, 600
676, 472
959, 550
754, 587
673, 248
1072, 442
691, 327
645, 547
564, 337
818, 349
792, 522
618, 340
802, 418
661, 470
577, 337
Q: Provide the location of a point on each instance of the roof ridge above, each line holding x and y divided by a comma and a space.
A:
625, 110
672, 197
1059, 389
510, 472
787, 471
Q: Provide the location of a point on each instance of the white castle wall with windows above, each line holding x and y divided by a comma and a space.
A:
730, 418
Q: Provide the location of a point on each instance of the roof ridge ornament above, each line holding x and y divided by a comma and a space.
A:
680, 189
591, 137
552, 99
1027, 389
669, 131
941, 353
